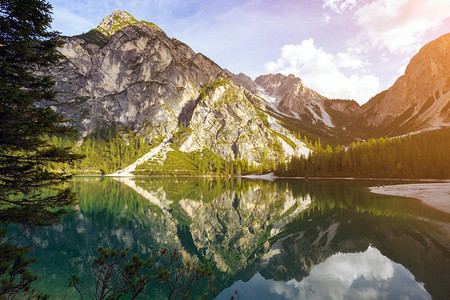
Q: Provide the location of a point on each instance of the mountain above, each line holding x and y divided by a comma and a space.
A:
301, 109
287, 96
419, 99
129, 74
295, 99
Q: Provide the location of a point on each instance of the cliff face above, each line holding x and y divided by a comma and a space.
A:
288, 96
136, 77
420, 98
129, 73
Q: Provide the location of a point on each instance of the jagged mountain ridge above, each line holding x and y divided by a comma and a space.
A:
295, 99
288, 96
302, 109
129, 73
419, 99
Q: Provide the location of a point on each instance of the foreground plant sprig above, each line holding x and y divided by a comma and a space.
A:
113, 277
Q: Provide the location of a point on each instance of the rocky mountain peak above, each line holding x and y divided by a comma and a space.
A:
420, 98
129, 74
433, 55
280, 86
278, 79
244, 80
117, 20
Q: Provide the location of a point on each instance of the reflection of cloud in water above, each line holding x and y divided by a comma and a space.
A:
366, 275
335, 278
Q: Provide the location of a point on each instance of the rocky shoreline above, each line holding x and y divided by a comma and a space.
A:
436, 195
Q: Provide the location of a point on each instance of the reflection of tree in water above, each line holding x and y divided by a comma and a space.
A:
404, 230
280, 229
353, 196
111, 214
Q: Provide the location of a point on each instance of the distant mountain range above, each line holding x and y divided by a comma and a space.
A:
129, 74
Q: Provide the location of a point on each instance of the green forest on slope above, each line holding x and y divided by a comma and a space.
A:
106, 150
423, 155
109, 149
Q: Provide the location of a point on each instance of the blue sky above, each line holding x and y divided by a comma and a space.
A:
349, 49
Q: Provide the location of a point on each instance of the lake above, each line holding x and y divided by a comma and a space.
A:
287, 239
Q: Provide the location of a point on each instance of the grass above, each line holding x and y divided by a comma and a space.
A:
284, 138
152, 25
263, 117
181, 136
212, 86
176, 163
200, 162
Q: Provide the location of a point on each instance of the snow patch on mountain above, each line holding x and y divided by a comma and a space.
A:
272, 102
326, 119
300, 148
128, 171
269, 101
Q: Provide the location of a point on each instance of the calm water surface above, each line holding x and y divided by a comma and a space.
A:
287, 239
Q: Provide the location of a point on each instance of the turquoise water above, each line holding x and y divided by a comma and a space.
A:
287, 239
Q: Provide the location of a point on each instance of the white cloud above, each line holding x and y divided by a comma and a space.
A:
398, 25
362, 275
395, 25
323, 72
339, 6
348, 61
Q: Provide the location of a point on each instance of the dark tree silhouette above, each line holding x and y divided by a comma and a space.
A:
26, 48
30, 194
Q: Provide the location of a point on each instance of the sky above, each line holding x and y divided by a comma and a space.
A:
347, 49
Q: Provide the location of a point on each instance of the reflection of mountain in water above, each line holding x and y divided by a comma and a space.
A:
231, 229
227, 219
280, 230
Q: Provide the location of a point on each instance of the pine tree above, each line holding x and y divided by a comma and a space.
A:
30, 193
26, 46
